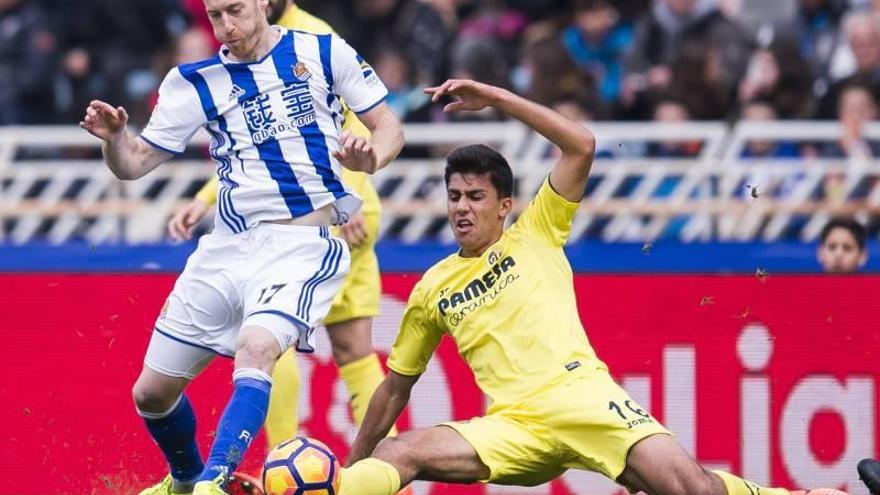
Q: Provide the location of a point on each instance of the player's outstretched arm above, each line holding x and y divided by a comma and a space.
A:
385, 407
127, 157
369, 155
569, 174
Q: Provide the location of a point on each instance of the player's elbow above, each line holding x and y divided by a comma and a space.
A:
581, 149
586, 144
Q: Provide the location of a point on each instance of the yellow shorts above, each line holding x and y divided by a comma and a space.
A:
362, 287
587, 422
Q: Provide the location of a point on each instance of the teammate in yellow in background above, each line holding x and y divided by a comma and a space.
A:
349, 323
507, 299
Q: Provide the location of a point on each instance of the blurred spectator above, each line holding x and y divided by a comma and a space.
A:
815, 29
856, 107
116, 51
537, 9
697, 81
763, 111
493, 22
198, 17
759, 17
779, 75
670, 110
597, 41
407, 101
481, 60
549, 72
27, 56
765, 149
862, 32
416, 28
842, 246
661, 36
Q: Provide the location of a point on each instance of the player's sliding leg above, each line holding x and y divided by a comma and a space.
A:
282, 422
170, 419
658, 465
257, 349
396, 462
359, 365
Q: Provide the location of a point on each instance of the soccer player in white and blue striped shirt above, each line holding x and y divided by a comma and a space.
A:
266, 275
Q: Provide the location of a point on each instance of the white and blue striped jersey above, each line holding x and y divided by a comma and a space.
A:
274, 124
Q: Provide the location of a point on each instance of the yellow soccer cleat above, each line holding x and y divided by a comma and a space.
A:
163, 488
212, 487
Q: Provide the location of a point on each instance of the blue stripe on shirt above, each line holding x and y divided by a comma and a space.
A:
294, 196
324, 42
222, 209
230, 217
316, 143
224, 128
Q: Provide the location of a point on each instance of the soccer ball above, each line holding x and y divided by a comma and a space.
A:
301, 466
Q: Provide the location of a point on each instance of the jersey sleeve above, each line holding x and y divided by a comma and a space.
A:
417, 338
354, 80
549, 216
177, 116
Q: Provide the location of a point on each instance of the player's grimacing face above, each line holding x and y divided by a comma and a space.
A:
840, 253
475, 212
237, 23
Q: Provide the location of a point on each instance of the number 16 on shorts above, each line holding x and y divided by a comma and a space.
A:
630, 413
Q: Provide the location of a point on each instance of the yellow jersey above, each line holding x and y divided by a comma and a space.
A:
297, 18
511, 311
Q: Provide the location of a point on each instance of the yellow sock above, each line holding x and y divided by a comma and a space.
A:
369, 477
362, 377
738, 486
282, 421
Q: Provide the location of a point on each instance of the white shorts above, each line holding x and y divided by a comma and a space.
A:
279, 277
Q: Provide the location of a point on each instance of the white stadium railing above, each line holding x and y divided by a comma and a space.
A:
55, 188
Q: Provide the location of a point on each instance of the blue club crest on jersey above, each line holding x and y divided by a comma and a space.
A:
301, 72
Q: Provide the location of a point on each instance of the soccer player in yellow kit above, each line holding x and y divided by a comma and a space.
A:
507, 299
349, 322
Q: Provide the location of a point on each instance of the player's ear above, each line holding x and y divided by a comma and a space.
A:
506, 206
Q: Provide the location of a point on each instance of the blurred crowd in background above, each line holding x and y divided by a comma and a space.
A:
623, 60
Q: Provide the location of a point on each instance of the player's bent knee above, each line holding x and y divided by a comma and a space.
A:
347, 353
153, 397
258, 350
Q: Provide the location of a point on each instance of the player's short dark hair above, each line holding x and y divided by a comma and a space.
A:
480, 159
856, 229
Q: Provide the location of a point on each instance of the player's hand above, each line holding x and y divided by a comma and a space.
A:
181, 223
471, 95
354, 231
356, 153
104, 121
